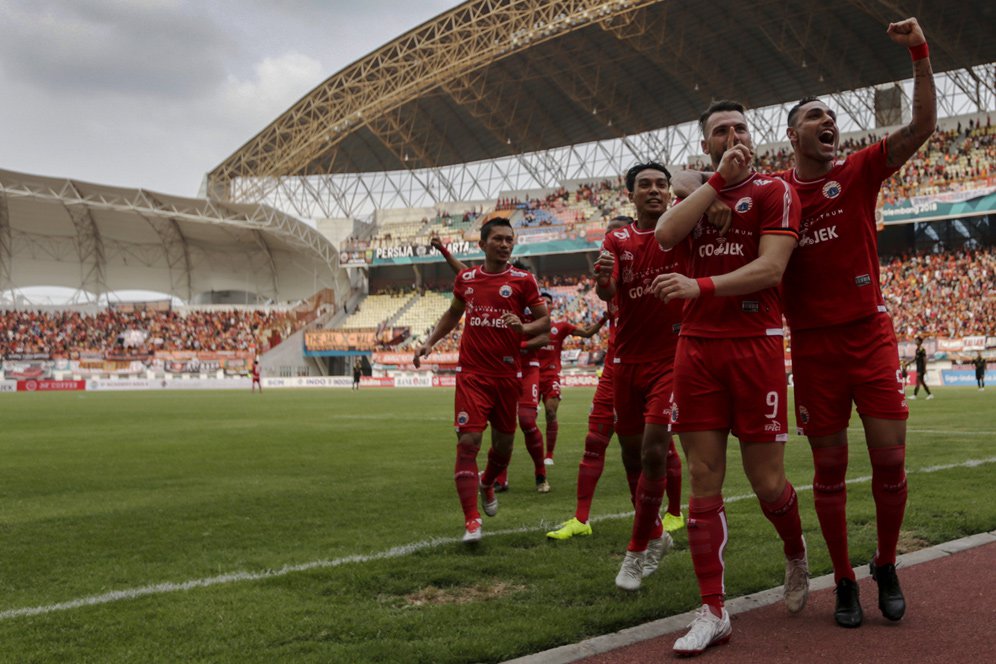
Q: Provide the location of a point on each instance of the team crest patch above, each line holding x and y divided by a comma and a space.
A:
803, 415
744, 204
831, 189
505, 291
554, 331
462, 418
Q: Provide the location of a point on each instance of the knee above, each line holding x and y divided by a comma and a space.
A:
768, 487
706, 478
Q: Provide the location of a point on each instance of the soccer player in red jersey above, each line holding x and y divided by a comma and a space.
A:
255, 376
495, 297
549, 361
835, 309
528, 405
646, 338
601, 426
729, 370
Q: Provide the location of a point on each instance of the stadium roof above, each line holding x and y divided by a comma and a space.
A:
101, 239
490, 79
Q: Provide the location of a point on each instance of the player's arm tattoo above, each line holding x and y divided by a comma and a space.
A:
903, 144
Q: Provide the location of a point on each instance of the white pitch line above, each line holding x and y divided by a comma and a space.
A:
394, 552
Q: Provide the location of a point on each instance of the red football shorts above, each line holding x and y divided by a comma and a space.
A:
530, 386
549, 385
602, 406
833, 366
735, 384
642, 395
483, 399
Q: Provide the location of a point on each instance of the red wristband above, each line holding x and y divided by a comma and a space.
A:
716, 181
919, 52
706, 286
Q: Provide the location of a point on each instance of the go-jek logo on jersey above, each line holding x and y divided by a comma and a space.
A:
487, 321
505, 291
744, 205
831, 189
821, 235
721, 249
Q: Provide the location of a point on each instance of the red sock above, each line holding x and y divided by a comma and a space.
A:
552, 427
830, 496
534, 439
889, 491
673, 481
707, 535
647, 522
503, 475
783, 513
497, 464
590, 469
465, 476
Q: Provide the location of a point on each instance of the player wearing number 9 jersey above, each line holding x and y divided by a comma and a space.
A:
729, 371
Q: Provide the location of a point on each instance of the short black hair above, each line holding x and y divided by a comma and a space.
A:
492, 224
795, 109
622, 217
650, 165
718, 107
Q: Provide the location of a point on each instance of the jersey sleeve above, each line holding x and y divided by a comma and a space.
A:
783, 211
609, 245
460, 287
530, 293
874, 162
569, 329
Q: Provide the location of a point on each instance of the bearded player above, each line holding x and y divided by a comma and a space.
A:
834, 306
729, 373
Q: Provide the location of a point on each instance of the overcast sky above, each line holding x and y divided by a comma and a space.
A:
155, 93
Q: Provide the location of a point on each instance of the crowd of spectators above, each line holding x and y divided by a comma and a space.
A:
64, 334
947, 294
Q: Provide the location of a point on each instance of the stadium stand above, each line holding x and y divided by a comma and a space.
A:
945, 294
63, 334
376, 310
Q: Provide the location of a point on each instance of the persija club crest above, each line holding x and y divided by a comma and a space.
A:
505, 291
831, 189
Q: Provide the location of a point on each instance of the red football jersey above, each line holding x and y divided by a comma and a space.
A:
488, 347
832, 277
647, 327
549, 355
761, 205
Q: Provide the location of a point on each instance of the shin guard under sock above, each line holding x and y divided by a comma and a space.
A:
783, 513
889, 490
707, 535
552, 428
534, 439
647, 521
465, 476
589, 471
830, 498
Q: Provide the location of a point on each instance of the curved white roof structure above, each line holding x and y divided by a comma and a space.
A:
101, 239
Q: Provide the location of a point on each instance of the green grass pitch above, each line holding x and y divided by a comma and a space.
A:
120, 492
